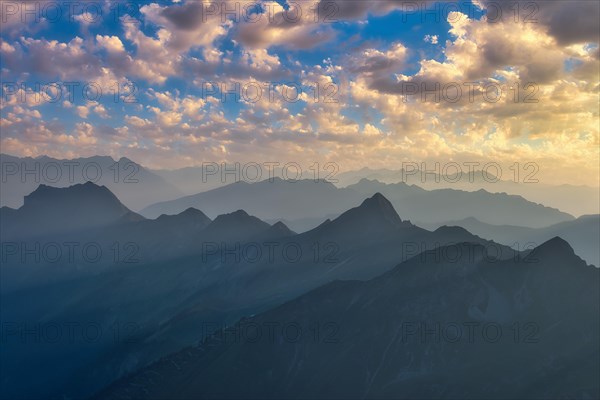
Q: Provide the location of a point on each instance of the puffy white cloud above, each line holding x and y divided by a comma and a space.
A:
261, 60
568, 22
83, 111
375, 61
277, 26
433, 39
101, 111
112, 44
376, 117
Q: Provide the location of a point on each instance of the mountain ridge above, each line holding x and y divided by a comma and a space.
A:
387, 314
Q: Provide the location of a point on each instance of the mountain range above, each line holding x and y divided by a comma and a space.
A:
52, 210
186, 272
422, 330
139, 187
298, 201
583, 233
574, 199
135, 185
164, 284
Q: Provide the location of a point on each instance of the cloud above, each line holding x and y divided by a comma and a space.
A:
373, 61
112, 44
185, 26
261, 60
568, 22
278, 26
484, 53
377, 119
51, 58
83, 111
173, 109
433, 39
356, 10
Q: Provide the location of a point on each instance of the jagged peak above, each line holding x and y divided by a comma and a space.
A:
379, 204
281, 228
279, 225
376, 199
555, 245
126, 160
190, 212
371, 181
239, 216
86, 188
239, 213
375, 212
556, 250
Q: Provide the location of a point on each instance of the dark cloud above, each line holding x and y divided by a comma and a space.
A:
343, 10
187, 16
573, 21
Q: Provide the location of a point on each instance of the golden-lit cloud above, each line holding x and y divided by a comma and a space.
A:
490, 91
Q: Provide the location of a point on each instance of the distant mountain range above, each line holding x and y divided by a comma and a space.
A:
494, 208
573, 199
314, 200
160, 285
139, 187
187, 273
51, 210
135, 185
583, 233
268, 199
465, 329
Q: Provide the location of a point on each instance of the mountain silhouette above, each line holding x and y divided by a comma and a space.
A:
375, 215
234, 226
376, 209
582, 233
427, 206
187, 285
57, 210
278, 230
421, 330
573, 199
162, 238
314, 201
190, 217
555, 249
268, 199
135, 185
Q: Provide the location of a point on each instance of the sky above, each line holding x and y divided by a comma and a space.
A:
373, 84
